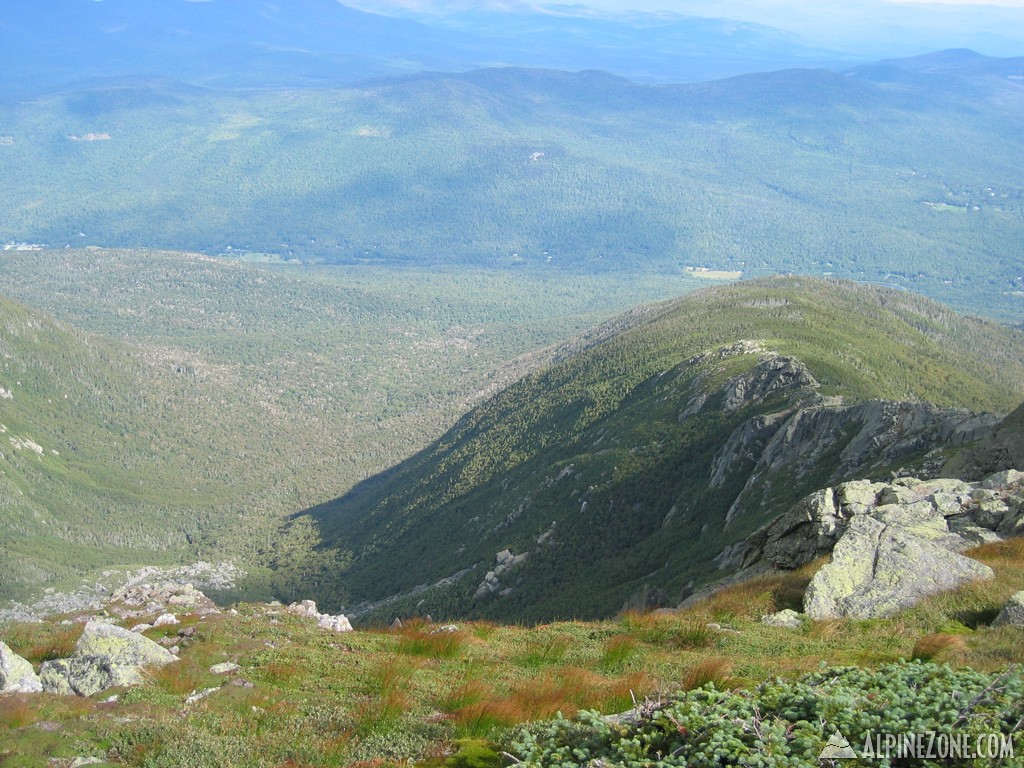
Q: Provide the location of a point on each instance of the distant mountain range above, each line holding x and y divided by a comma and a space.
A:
255, 43
634, 466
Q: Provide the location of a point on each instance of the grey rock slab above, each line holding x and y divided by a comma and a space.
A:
16, 673
878, 570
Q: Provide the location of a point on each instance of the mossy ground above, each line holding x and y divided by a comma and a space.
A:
379, 697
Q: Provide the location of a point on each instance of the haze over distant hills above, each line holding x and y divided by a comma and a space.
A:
864, 28
902, 171
243, 43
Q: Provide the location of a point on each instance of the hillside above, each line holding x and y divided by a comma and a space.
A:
195, 402
631, 467
104, 455
899, 173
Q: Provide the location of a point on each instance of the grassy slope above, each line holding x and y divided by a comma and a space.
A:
498, 478
887, 177
118, 451
236, 394
387, 697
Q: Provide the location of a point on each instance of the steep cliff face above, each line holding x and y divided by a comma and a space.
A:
1000, 448
841, 440
635, 468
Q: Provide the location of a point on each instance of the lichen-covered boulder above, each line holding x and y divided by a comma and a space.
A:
879, 568
16, 674
86, 675
106, 656
1013, 612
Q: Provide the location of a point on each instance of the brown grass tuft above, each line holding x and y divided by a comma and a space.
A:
431, 644
750, 599
180, 677
39, 642
466, 694
566, 690
282, 672
15, 712
711, 670
940, 647
618, 649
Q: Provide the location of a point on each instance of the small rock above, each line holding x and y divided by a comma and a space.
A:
1012, 613
166, 620
723, 628
106, 656
140, 628
224, 668
339, 623
197, 696
396, 624
305, 608
447, 628
78, 762
787, 618
240, 683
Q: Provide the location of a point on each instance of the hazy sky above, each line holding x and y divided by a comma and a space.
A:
809, 6
877, 27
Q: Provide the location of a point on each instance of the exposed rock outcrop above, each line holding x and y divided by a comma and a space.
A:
491, 584
863, 436
16, 673
146, 598
787, 618
307, 608
999, 449
891, 543
878, 568
773, 374
106, 656
146, 591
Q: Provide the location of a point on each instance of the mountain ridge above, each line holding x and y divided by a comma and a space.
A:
600, 467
